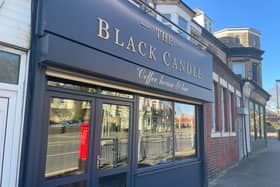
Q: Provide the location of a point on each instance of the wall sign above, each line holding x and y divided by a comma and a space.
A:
142, 50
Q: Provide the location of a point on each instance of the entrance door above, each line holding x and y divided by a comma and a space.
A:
3, 126
114, 134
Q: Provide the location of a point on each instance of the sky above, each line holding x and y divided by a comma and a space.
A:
261, 15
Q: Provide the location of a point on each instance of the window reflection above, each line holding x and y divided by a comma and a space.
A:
155, 141
9, 67
257, 118
262, 121
67, 137
185, 130
114, 136
252, 120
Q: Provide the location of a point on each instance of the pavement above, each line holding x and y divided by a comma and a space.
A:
261, 169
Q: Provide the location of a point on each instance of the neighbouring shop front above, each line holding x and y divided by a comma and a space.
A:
255, 99
117, 100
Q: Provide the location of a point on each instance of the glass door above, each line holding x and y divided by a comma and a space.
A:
66, 154
112, 158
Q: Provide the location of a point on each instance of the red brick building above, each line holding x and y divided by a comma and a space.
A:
222, 126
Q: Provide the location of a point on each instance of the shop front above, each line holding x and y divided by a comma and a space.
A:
118, 100
255, 99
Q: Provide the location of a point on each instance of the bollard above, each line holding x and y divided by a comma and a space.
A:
278, 134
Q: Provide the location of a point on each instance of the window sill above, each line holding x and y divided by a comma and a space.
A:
215, 134
232, 133
222, 134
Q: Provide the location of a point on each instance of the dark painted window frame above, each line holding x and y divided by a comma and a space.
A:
50, 91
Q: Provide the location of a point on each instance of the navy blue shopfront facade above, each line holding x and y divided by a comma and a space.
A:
104, 69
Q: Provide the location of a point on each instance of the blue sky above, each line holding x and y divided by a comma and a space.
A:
260, 15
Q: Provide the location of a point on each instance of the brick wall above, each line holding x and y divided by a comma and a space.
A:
222, 148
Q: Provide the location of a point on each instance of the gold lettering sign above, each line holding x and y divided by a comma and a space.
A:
150, 78
147, 50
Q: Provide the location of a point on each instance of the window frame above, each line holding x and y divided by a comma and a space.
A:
17, 93
184, 27
215, 118
69, 179
236, 65
19, 63
223, 111
94, 97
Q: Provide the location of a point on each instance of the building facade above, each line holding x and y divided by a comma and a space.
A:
112, 105
14, 57
221, 124
245, 57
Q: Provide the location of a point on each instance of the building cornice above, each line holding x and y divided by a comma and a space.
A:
237, 30
176, 2
250, 52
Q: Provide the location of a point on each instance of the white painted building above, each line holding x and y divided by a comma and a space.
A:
15, 32
202, 19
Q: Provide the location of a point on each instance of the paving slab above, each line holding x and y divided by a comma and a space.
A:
259, 170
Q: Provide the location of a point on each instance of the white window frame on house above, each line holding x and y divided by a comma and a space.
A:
16, 94
231, 107
223, 109
186, 29
230, 111
214, 110
214, 132
236, 66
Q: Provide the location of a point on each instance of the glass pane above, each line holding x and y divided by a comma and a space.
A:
116, 94
67, 137
154, 132
257, 116
239, 69
113, 181
185, 131
77, 184
114, 136
262, 120
9, 67
252, 120
71, 86
184, 25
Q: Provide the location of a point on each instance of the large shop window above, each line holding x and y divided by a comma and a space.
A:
252, 120
185, 131
155, 132
165, 134
67, 137
256, 121
257, 116
262, 120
